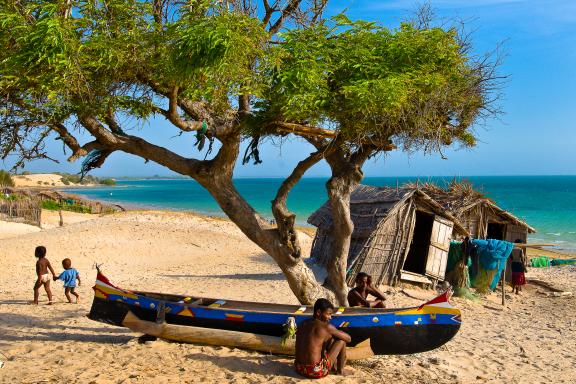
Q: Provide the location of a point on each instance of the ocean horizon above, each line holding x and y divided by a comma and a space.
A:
544, 202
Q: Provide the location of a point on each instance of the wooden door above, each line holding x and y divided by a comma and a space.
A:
516, 232
439, 247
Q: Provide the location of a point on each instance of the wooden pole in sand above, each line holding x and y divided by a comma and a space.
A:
503, 282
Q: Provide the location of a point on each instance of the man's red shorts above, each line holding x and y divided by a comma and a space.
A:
314, 371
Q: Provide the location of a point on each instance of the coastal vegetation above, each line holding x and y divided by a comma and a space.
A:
6, 179
233, 71
68, 179
65, 206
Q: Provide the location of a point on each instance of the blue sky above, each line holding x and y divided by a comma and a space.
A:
534, 136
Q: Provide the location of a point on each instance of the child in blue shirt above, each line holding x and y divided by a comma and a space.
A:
69, 277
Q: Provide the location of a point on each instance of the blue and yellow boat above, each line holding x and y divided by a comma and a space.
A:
260, 326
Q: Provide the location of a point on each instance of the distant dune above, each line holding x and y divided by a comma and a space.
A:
44, 180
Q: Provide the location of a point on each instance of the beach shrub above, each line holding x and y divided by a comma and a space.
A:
76, 208
51, 205
9, 197
6, 179
65, 206
68, 179
108, 181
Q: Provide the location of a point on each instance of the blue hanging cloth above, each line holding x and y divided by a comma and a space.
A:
492, 255
93, 160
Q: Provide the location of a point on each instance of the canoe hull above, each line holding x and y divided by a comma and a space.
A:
220, 337
397, 340
407, 331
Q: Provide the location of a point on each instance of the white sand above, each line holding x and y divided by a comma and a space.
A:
51, 219
43, 180
15, 229
38, 180
531, 340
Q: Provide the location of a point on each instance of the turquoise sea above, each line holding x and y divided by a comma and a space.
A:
547, 203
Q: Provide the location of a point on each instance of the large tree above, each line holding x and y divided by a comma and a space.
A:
231, 71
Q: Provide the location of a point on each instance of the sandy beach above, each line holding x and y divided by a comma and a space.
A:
40, 180
530, 340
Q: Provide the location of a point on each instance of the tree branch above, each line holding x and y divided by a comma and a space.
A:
284, 218
137, 146
268, 12
290, 7
112, 123
173, 116
70, 141
218, 125
322, 133
318, 10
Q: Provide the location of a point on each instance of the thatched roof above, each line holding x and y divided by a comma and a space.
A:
370, 205
460, 197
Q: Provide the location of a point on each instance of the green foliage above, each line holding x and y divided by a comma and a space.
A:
68, 179
417, 86
51, 205
95, 60
65, 206
10, 197
6, 179
414, 85
108, 181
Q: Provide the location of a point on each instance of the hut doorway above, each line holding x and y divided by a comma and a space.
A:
496, 231
418, 252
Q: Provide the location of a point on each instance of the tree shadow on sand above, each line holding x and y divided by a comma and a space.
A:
64, 336
238, 276
17, 327
262, 365
14, 302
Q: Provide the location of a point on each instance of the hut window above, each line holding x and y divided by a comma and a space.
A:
418, 253
496, 231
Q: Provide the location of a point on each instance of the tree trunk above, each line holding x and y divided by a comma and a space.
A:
299, 276
339, 191
346, 175
216, 177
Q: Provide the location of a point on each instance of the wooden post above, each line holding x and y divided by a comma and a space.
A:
503, 282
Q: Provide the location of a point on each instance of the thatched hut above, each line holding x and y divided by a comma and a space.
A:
399, 234
481, 217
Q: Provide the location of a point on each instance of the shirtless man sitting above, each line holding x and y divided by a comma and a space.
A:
358, 296
320, 347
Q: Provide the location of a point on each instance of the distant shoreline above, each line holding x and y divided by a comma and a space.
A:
543, 202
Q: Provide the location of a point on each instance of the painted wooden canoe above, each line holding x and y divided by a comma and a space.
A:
259, 326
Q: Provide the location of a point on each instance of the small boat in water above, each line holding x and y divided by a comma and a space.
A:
260, 326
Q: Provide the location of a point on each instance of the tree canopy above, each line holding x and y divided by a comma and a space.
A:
234, 70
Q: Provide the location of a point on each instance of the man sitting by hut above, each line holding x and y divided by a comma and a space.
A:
358, 296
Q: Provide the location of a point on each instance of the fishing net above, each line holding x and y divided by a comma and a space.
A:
563, 262
483, 280
465, 293
540, 262
492, 255
457, 271
457, 266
